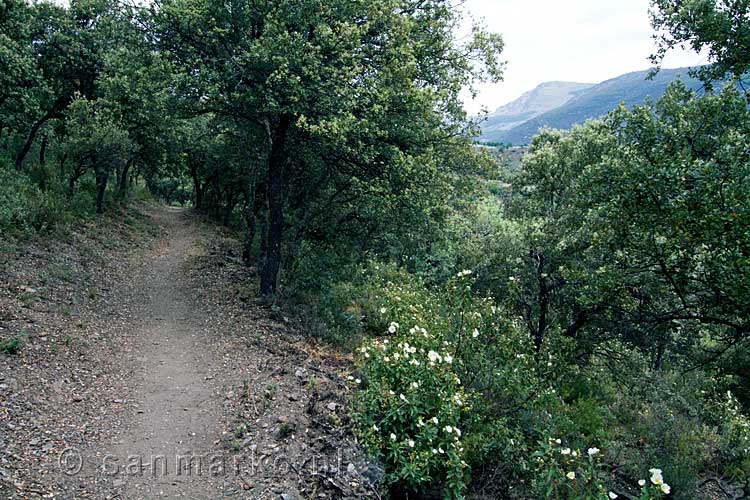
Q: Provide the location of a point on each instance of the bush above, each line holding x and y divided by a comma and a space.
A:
436, 396
12, 345
27, 209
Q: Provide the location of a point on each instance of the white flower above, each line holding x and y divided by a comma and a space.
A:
383, 310
666, 488
448, 429
349, 378
574, 453
415, 385
393, 437
357, 381
435, 420
613, 495
403, 398
641, 482
434, 451
410, 443
392, 328
375, 428
565, 451
458, 431
558, 441
571, 475
593, 451
448, 358
433, 356
656, 476
475, 333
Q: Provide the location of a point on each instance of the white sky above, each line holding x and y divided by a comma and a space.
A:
574, 40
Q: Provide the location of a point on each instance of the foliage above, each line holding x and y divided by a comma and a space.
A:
12, 345
27, 209
719, 27
417, 410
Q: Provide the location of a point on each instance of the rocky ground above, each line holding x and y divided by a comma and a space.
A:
138, 363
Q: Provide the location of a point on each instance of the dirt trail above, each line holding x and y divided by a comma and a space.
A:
179, 410
175, 382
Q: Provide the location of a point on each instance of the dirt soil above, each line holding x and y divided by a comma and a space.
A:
149, 369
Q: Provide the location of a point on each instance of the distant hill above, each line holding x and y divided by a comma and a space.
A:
533, 103
516, 123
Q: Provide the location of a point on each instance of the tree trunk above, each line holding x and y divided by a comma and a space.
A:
61, 164
263, 215
275, 195
249, 214
101, 187
43, 150
247, 246
29, 142
32, 134
122, 182
197, 186
77, 173
229, 208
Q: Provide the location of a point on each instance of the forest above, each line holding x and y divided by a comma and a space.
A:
576, 327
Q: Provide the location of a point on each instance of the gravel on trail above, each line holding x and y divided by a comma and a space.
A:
148, 368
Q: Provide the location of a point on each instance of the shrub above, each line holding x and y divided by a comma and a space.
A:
12, 345
27, 209
439, 384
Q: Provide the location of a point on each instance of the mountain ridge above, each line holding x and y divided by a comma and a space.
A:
586, 101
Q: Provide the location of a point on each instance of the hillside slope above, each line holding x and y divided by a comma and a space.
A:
591, 102
533, 103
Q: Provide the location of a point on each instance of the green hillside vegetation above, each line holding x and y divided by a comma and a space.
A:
575, 327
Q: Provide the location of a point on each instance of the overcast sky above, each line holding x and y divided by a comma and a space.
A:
574, 40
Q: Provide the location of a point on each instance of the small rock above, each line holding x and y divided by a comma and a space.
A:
332, 406
351, 469
291, 495
299, 373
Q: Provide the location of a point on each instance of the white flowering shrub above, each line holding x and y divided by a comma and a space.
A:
424, 407
567, 474
563, 473
451, 387
655, 487
412, 409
